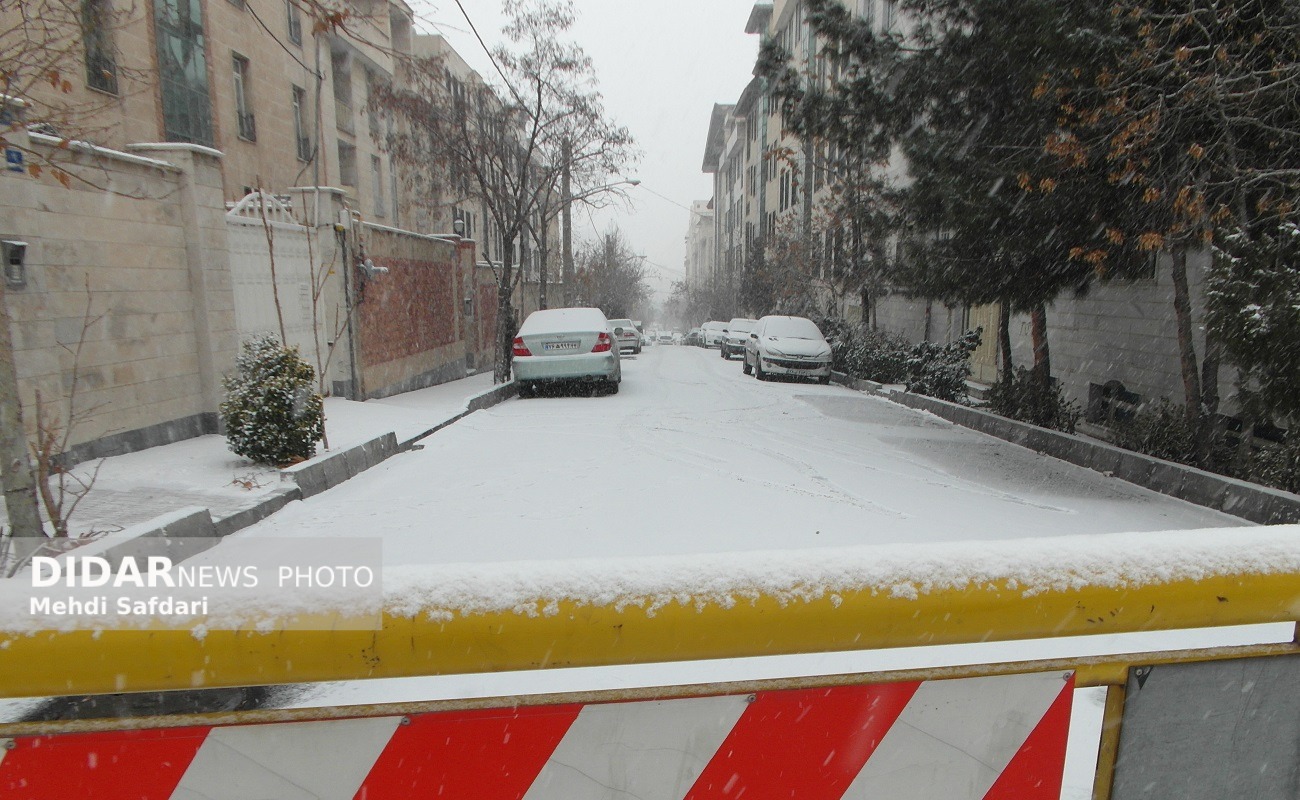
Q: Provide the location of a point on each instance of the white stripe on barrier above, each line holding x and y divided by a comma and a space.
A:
650, 750
973, 727
286, 761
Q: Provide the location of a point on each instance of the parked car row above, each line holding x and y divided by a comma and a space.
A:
779, 345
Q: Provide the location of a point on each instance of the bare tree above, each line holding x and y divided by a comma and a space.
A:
509, 144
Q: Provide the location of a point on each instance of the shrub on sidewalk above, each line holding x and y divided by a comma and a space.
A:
870, 354
1023, 399
941, 371
272, 413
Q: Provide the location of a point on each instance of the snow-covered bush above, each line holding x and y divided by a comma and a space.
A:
272, 413
1021, 398
941, 371
870, 354
1279, 466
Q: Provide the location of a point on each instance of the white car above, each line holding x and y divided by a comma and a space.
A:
713, 333
788, 346
629, 341
566, 345
735, 335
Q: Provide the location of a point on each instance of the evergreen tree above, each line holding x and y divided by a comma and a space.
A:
272, 414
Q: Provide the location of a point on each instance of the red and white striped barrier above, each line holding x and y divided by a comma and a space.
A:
990, 738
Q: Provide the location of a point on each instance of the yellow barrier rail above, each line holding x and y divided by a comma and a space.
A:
122, 660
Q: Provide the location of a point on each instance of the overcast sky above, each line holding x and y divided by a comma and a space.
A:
662, 64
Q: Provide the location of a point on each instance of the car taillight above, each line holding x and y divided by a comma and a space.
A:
603, 344
519, 348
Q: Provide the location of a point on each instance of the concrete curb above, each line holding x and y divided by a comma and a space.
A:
304, 480
1248, 501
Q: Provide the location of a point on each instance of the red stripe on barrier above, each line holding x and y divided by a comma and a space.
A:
494, 754
802, 743
1036, 770
122, 765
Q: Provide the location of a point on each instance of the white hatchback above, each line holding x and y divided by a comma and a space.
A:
788, 346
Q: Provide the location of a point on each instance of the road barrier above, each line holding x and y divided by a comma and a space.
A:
1138, 582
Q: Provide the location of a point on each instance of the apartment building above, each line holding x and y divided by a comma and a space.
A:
1119, 338
700, 264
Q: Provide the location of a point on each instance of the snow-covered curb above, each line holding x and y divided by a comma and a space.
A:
1247, 501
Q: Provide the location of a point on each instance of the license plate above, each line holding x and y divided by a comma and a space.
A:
554, 346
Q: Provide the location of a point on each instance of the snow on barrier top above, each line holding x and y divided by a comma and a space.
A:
462, 618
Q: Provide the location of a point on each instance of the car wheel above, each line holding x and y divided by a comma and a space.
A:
723, 351
758, 369
825, 381
744, 366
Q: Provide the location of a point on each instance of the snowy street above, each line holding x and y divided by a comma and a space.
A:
694, 457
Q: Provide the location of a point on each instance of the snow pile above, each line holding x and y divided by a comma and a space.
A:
1029, 566
901, 571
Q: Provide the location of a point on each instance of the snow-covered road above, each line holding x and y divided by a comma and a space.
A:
693, 457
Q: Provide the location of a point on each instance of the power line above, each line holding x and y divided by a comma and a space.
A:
662, 197
493, 59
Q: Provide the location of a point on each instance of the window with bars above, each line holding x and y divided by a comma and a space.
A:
183, 71
243, 100
97, 35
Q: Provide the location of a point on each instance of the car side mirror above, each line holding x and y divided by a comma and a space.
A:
753, 336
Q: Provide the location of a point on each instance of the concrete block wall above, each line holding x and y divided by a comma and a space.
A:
127, 229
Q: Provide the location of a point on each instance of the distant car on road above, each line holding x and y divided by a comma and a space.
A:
630, 339
566, 345
736, 334
713, 333
665, 337
788, 346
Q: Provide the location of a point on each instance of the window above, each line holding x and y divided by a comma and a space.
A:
295, 21
341, 68
300, 123
243, 102
97, 33
888, 16
183, 71
868, 10
347, 164
377, 185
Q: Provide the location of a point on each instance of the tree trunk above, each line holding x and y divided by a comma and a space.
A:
1186, 346
1042, 372
505, 334
1210, 430
1004, 341
15, 468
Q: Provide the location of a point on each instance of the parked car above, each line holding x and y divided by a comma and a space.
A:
665, 337
735, 335
695, 338
714, 333
566, 344
788, 346
630, 339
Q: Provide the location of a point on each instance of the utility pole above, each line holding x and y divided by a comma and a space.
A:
566, 223
15, 468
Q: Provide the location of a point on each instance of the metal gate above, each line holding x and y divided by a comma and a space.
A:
258, 227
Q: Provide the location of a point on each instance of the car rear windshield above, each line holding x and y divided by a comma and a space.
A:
564, 320
792, 328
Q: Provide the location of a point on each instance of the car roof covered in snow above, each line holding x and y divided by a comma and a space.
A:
564, 320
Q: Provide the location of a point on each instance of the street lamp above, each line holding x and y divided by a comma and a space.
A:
566, 221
